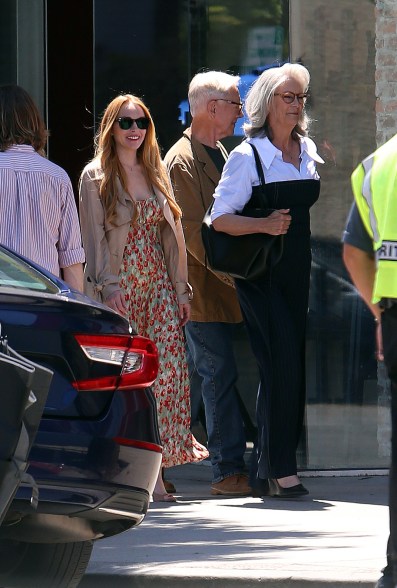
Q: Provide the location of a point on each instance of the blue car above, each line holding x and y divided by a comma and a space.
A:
96, 455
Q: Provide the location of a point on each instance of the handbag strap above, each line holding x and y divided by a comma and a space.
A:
258, 164
261, 175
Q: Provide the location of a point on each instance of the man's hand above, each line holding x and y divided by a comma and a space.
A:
379, 341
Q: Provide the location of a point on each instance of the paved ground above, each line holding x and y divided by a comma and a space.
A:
336, 536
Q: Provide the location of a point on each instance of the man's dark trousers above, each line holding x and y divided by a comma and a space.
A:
389, 333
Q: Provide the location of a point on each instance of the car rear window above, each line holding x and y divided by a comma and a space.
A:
14, 273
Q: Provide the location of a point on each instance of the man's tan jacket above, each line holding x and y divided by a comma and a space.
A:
194, 177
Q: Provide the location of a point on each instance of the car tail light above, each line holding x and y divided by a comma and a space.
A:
138, 444
137, 357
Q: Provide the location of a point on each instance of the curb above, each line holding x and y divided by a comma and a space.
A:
168, 581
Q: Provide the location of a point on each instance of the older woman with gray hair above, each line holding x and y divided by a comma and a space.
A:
275, 306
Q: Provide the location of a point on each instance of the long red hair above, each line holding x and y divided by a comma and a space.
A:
148, 154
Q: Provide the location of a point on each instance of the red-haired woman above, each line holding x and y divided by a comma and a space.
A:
136, 259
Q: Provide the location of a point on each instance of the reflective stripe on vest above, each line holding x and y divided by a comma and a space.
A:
374, 184
367, 194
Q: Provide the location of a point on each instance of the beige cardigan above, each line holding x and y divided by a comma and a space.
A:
104, 242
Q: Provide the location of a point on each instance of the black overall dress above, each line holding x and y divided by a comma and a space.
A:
275, 311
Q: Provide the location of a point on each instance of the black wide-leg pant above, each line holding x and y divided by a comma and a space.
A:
278, 345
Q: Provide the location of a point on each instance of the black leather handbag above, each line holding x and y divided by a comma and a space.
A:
247, 257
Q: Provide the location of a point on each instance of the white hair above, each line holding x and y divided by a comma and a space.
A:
208, 86
260, 96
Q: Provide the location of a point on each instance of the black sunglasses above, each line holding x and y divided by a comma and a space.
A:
126, 122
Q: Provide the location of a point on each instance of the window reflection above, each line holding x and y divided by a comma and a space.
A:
347, 423
153, 49
22, 41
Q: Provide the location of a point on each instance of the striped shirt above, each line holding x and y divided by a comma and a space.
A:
38, 213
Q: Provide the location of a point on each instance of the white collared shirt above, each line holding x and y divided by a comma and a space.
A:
239, 173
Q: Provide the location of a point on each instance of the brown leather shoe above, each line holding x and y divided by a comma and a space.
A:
236, 485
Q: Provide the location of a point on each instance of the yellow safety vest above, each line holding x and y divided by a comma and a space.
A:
374, 184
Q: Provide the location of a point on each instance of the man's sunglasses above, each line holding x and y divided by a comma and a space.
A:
126, 122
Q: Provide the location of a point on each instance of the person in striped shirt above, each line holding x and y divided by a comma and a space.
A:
38, 210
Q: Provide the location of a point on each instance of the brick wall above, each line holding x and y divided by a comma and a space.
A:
386, 69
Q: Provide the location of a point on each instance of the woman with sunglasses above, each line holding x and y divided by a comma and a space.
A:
275, 306
136, 260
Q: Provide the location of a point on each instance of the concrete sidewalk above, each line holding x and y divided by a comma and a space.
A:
336, 536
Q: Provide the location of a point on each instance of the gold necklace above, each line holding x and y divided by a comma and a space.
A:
285, 152
128, 166
288, 155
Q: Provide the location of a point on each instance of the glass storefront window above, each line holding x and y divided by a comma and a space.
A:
22, 44
153, 49
176, 40
346, 423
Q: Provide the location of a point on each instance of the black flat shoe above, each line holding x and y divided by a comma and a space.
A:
278, 491
385, 583
260, 488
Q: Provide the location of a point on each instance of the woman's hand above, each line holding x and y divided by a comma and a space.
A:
116, 302
277, 223
184, 313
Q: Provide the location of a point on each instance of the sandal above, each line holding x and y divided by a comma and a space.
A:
169, 486
158, 497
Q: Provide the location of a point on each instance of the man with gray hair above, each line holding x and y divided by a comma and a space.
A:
195, 164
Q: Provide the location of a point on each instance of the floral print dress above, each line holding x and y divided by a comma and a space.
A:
153, 311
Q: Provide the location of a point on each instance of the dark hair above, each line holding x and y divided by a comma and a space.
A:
20, 120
